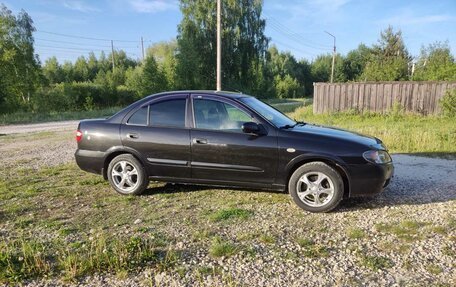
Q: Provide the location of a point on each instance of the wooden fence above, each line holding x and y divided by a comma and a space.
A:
417, 97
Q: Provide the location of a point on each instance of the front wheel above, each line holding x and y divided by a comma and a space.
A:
316, 187
127, 175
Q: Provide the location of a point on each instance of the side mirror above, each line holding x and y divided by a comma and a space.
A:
251, 128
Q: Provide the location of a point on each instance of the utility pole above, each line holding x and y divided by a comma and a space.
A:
219, 45
334, 55
112, 55
142, 47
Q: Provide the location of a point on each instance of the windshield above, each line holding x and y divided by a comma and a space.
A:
268, 112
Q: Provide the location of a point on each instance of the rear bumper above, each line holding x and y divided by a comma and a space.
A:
369, 179
89, 160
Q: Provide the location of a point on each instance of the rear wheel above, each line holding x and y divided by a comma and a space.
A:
316, 187
127, 175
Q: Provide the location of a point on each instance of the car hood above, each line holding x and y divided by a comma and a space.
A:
341, 134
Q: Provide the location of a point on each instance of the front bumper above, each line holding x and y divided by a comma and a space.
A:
369, 179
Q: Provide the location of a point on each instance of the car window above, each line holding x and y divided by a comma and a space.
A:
139, 117
169, 113
216, 115
268, 112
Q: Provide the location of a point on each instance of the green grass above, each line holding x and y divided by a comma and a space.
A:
434, 269
376, 262
222, 248
267, 239
408, 230
230, 214
286, 100
27, 259
28, 117
311, 249
62, 223
402, 133
355, 233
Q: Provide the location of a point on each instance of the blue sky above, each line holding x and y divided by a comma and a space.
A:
295, 25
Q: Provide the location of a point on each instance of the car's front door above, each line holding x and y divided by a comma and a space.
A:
221, 152
158, 131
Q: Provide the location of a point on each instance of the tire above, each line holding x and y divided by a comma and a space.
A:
316, 187
127, 175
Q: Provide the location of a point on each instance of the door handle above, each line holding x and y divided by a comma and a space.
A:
133, 136
200, 141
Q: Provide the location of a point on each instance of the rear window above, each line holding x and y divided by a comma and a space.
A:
169, 113
139, 117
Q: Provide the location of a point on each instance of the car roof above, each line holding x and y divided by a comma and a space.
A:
227, 94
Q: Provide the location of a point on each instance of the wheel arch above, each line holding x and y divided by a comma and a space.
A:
115, 151
335, 163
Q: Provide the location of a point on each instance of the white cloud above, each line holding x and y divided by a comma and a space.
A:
409, 19
153, 6
321, 11
326, 5
80, 6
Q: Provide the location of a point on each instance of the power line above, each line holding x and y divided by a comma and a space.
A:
54, 52
69, 48
296, 38
289, 31
89, 38
285, 31
52, 49
293, 48
84, 44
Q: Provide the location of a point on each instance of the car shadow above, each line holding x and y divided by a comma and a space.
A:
418, 180
170, 188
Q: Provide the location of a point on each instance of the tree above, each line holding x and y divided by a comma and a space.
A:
80, 70
286, 86
52, 71
122, 60
354, 63
19, 66
165, 55
389, 60
285, 70
304, 77
68, 71
321, 68
435, 63
146, 79
92, 66
244, 44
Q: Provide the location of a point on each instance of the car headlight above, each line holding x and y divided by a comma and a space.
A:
377, 156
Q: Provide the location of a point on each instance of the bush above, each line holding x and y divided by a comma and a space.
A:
78, 96
448, 103
286, 87
125, 95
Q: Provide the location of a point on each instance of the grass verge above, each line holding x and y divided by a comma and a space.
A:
28, 117
402, 133
25, 259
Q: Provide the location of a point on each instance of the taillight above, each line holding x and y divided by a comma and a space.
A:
78, 135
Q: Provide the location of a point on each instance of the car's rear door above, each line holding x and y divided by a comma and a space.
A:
159, 132
221, 152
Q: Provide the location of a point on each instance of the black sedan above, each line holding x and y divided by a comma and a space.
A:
231, 139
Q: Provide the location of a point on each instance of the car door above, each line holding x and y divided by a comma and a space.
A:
159, 132
221, 152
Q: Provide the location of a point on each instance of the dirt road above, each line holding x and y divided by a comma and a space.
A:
41, 127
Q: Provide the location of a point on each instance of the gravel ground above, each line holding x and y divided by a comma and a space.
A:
423, 190
41, 127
